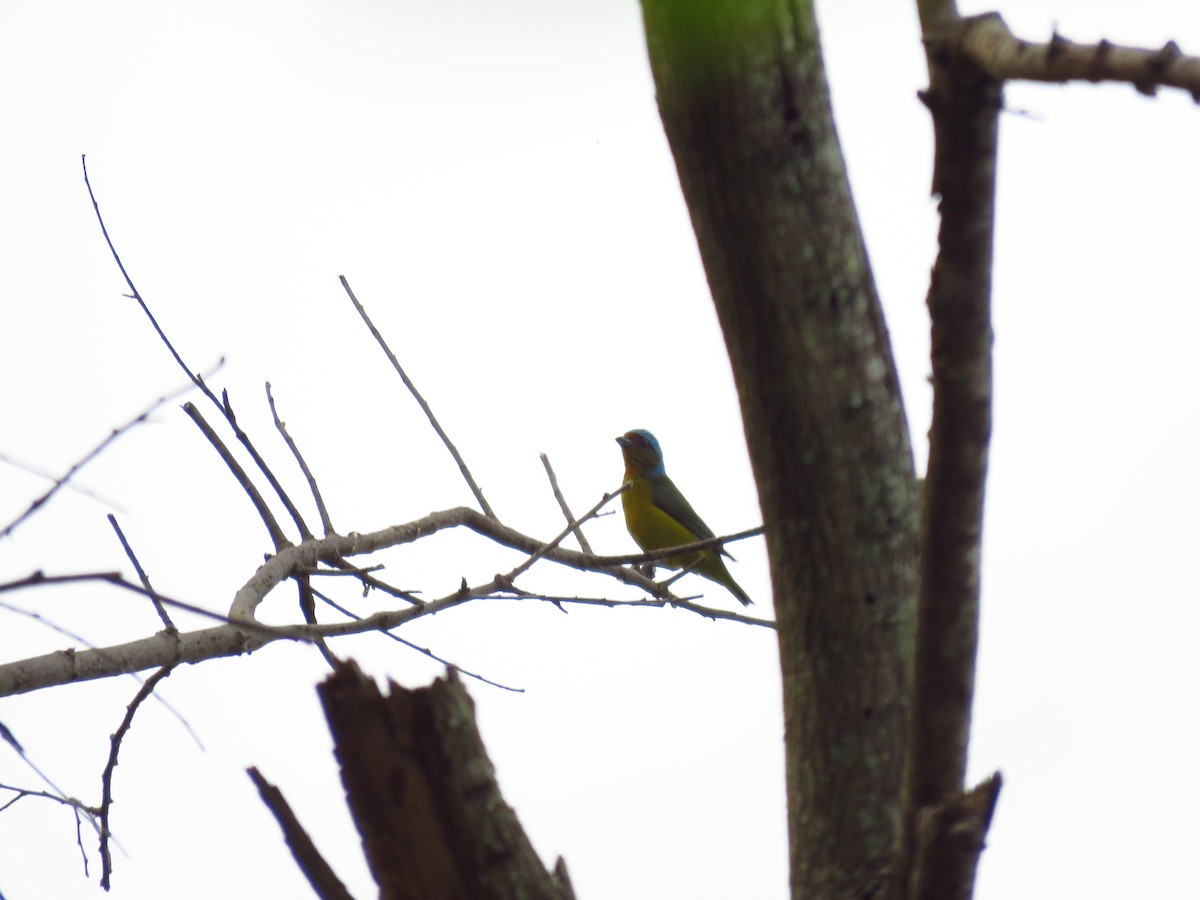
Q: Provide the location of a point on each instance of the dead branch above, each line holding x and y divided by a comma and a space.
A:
448, 831
318, 872
950, 839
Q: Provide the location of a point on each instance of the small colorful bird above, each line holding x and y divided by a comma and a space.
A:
658, 516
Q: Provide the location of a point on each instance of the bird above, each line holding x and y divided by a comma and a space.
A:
658, 515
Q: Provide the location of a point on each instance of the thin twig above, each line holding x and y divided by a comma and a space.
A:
145, 579
425, 651
683, 603
370, 582
572, 525
562, 503
348, 572
264, 511
75, 486
308, 608
106, 779
682, 550
21, 793
412, 389
94, 452
281, 427
244, 439
197, 379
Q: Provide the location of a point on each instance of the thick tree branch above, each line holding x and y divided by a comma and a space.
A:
965, 104
242, 633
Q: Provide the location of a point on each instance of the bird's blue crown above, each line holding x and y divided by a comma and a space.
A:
653, 442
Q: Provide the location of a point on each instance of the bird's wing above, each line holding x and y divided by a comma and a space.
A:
668, 498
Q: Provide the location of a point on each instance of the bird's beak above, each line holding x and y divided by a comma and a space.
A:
623, 441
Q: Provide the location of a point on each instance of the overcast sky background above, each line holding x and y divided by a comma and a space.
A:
493, 180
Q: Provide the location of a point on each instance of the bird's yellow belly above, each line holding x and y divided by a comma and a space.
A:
652, 528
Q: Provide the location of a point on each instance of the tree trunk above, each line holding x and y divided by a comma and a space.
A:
745, 104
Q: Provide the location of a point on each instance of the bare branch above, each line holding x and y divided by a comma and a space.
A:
158, 606
965, 103
308, 607
572, 526
682, 550
264, 511
684, 603
326, 522
424, 651
197, 379
412, 389
20, 793
990, 45
318, 872
242, 633
243, 438
73, 485
562, 503
92, 454
106, 779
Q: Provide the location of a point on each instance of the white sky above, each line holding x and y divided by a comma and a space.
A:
493, 180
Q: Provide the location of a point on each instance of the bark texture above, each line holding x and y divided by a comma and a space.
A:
424, 795
745, 104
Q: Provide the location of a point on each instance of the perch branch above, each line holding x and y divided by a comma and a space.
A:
241, 633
